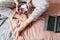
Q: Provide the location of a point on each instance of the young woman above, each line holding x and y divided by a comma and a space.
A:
40, 7
5, 11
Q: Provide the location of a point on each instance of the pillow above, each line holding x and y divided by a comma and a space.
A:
7, 3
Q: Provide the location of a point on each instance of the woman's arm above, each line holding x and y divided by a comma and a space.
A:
35, 14
39, 10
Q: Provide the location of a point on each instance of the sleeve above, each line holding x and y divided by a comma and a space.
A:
7, 12
39, 10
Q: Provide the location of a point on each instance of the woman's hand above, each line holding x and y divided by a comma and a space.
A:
16, 27
21, 27
16, 22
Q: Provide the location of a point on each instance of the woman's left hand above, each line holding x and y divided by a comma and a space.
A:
20, 28
17, 25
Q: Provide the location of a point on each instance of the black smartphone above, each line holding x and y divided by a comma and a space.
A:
52, 23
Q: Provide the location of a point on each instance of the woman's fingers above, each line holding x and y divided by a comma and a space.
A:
15, 32
14, 23
19, 29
